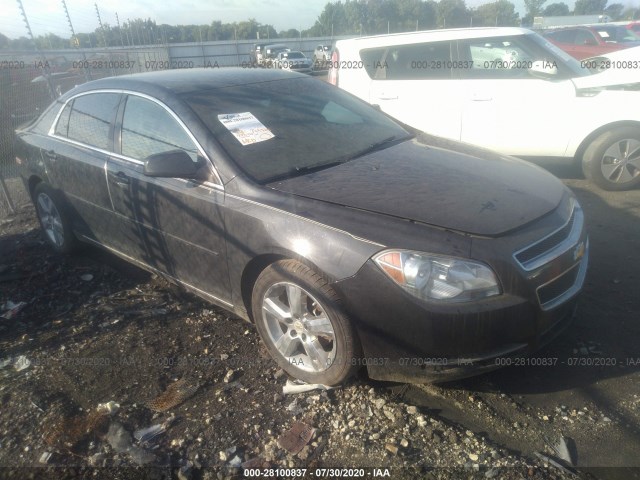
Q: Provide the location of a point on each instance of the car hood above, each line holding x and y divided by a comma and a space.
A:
438, 182
620, 73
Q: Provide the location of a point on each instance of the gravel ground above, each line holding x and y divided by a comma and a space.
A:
95, 330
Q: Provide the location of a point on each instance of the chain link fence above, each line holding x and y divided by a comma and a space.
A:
30, 81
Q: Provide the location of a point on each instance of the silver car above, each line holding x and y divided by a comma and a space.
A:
295, 61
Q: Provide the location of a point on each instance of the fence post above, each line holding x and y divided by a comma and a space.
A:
5, 191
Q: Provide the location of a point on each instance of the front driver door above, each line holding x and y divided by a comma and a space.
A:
173, 225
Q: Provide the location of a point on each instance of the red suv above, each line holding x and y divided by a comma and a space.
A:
591, 41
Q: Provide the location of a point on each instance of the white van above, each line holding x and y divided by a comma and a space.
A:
507, 89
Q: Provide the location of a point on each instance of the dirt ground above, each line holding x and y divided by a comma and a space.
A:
94, 329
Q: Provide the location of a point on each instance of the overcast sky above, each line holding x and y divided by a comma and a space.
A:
48, 15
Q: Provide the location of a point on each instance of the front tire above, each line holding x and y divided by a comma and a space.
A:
299, 319
54, 219
612, 161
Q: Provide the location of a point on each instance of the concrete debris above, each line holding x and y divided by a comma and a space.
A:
110, 407
295, 439
45, 457
144, 435
563, 451
120, 440
293, 387
21, 363
550, 461
10, 310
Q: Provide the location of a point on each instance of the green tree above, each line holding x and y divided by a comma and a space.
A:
419, 14
556, 10
4, 41
614, 11
589, 7
533, 9
500, 13
356, 16
332, 19
453, 13
631, 13
291, 33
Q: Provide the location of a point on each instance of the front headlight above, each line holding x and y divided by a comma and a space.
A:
433, 277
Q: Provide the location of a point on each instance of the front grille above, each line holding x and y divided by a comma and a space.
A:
565, 286
553, 245
546, 244
557, 287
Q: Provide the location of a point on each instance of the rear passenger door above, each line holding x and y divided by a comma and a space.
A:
77, 160
170, 224
415, 83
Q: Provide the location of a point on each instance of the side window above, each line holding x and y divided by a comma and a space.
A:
62, 127
422, 61
91, 119
44, 123
500, 57
147, 129
563, 36
584, 37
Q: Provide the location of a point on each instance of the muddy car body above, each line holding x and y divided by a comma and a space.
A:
421, 258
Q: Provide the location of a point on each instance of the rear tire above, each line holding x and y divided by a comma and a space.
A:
299, 319
54, 218
612, 161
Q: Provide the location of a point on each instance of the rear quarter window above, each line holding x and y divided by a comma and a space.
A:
92, 117
419, 61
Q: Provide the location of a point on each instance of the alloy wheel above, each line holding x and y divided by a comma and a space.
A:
299, 327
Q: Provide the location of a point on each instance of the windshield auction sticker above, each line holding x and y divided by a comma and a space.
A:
245, 127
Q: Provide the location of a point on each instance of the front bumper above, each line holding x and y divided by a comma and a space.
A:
406, 339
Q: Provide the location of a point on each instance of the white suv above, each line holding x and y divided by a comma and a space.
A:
507, 89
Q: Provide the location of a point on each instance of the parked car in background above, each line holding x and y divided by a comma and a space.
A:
322, 55
634, 26
293, 60
256, 53
590, 41
507, 89
417, 257
271, 52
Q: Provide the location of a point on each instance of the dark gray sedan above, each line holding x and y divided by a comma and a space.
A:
347, 238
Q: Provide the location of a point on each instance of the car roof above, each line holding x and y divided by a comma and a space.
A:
184, 80
436, 35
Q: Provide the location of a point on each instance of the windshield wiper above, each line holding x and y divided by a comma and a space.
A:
301, 170
382, 144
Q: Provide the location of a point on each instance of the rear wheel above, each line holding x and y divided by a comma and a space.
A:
612, 161
54, 219
298, 316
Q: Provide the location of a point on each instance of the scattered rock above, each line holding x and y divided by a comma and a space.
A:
391, 448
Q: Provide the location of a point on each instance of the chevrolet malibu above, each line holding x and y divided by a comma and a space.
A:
349, 239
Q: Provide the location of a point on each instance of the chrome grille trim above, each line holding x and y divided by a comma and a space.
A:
573, 289
574, 225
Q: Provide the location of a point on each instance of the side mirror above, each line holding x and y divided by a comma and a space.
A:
543, 68
174, 163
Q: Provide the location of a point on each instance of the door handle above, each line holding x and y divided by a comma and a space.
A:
120, 178
51, 155
481, 97
386, 97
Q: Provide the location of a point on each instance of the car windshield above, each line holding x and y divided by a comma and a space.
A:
615, 33
290, 127
293, 55
567, 65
